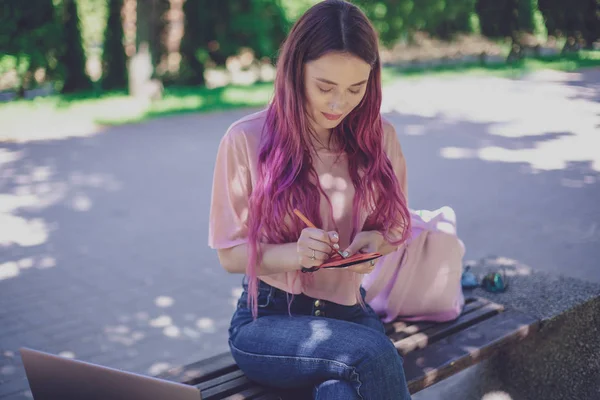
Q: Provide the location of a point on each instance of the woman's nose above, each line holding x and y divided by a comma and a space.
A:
338, 102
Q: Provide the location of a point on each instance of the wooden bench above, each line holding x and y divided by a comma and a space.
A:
432, 352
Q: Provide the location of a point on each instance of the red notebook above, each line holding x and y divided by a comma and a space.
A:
338, 261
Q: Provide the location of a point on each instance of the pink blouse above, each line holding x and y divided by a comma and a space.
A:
235, 175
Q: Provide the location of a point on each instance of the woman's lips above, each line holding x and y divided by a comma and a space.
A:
332, 117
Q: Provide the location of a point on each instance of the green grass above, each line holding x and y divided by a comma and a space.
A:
116, 108
585, 59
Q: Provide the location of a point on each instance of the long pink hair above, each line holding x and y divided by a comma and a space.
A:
286, 177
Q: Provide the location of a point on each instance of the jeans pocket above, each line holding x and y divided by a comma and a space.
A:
263, 299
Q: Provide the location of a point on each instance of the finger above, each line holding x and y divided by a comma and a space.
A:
309, 262
318, 234
318, 255
318, 246
334, 239
354, 248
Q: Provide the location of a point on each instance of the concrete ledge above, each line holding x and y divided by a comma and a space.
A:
537, 293
560, 362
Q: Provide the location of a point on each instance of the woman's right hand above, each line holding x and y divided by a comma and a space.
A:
315, 246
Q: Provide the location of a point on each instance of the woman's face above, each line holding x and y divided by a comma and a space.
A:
335, 84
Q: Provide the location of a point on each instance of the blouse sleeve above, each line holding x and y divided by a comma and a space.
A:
393, 149
231, 189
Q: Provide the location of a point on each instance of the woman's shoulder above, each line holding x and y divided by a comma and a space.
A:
247, 128
390, 137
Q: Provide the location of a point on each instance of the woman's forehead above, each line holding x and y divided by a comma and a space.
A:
342, 69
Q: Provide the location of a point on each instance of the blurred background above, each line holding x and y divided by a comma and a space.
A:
111, 112
185, 54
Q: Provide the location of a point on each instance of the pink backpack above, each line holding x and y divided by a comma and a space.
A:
421, 281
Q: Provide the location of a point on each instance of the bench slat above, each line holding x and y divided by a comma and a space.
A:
441, 330
432, 351
253, 393
201, 371
410, 328
229, 388
450, 355
220, 380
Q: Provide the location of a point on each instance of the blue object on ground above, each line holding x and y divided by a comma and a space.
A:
495, 282
468, 279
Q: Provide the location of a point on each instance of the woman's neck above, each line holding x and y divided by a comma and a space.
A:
321, 138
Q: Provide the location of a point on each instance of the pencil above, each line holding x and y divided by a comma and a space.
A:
303, 218
311, 225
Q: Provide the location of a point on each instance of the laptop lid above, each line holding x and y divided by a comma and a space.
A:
53, 377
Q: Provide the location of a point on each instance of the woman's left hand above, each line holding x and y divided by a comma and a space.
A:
364, 242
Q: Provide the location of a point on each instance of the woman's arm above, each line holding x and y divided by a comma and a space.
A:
276, 258
370, 242
313, 247
385, 247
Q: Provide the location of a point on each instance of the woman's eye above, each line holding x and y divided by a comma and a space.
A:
329, 90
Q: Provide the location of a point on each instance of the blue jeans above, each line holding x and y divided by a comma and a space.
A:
335, 351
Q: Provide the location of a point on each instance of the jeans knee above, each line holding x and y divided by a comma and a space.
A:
381, 354
335, 389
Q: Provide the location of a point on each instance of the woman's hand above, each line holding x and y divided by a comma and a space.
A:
364, 242
315, 246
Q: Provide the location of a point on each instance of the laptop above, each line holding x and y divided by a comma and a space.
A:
53, 377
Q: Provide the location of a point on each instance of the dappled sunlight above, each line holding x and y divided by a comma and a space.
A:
21, 231
161, 322
9, 270
414, 129
522, 112
545, 156
67, 354
123, 334
172, 331
164, 301
158, 368
29, 189
206, 325
511, 267
47, 262
496, 395
320, 333
8, 156
81, 202
336, 186
95, 180
7, 370
412, 343
338, 203
12, 269
235, 296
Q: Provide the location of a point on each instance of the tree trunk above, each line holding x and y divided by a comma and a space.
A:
73, 59
114, 59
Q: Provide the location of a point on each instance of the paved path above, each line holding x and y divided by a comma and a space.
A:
103, 253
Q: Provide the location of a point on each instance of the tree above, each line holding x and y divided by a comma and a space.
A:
404, 17
193, 54
150, 27
114, 59
73, 58
592, 22
30, 34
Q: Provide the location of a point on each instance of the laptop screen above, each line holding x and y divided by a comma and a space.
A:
52, 377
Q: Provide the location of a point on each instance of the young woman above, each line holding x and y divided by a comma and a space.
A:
320, 147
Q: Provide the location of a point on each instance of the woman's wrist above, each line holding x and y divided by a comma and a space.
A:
278, 258
381, 244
